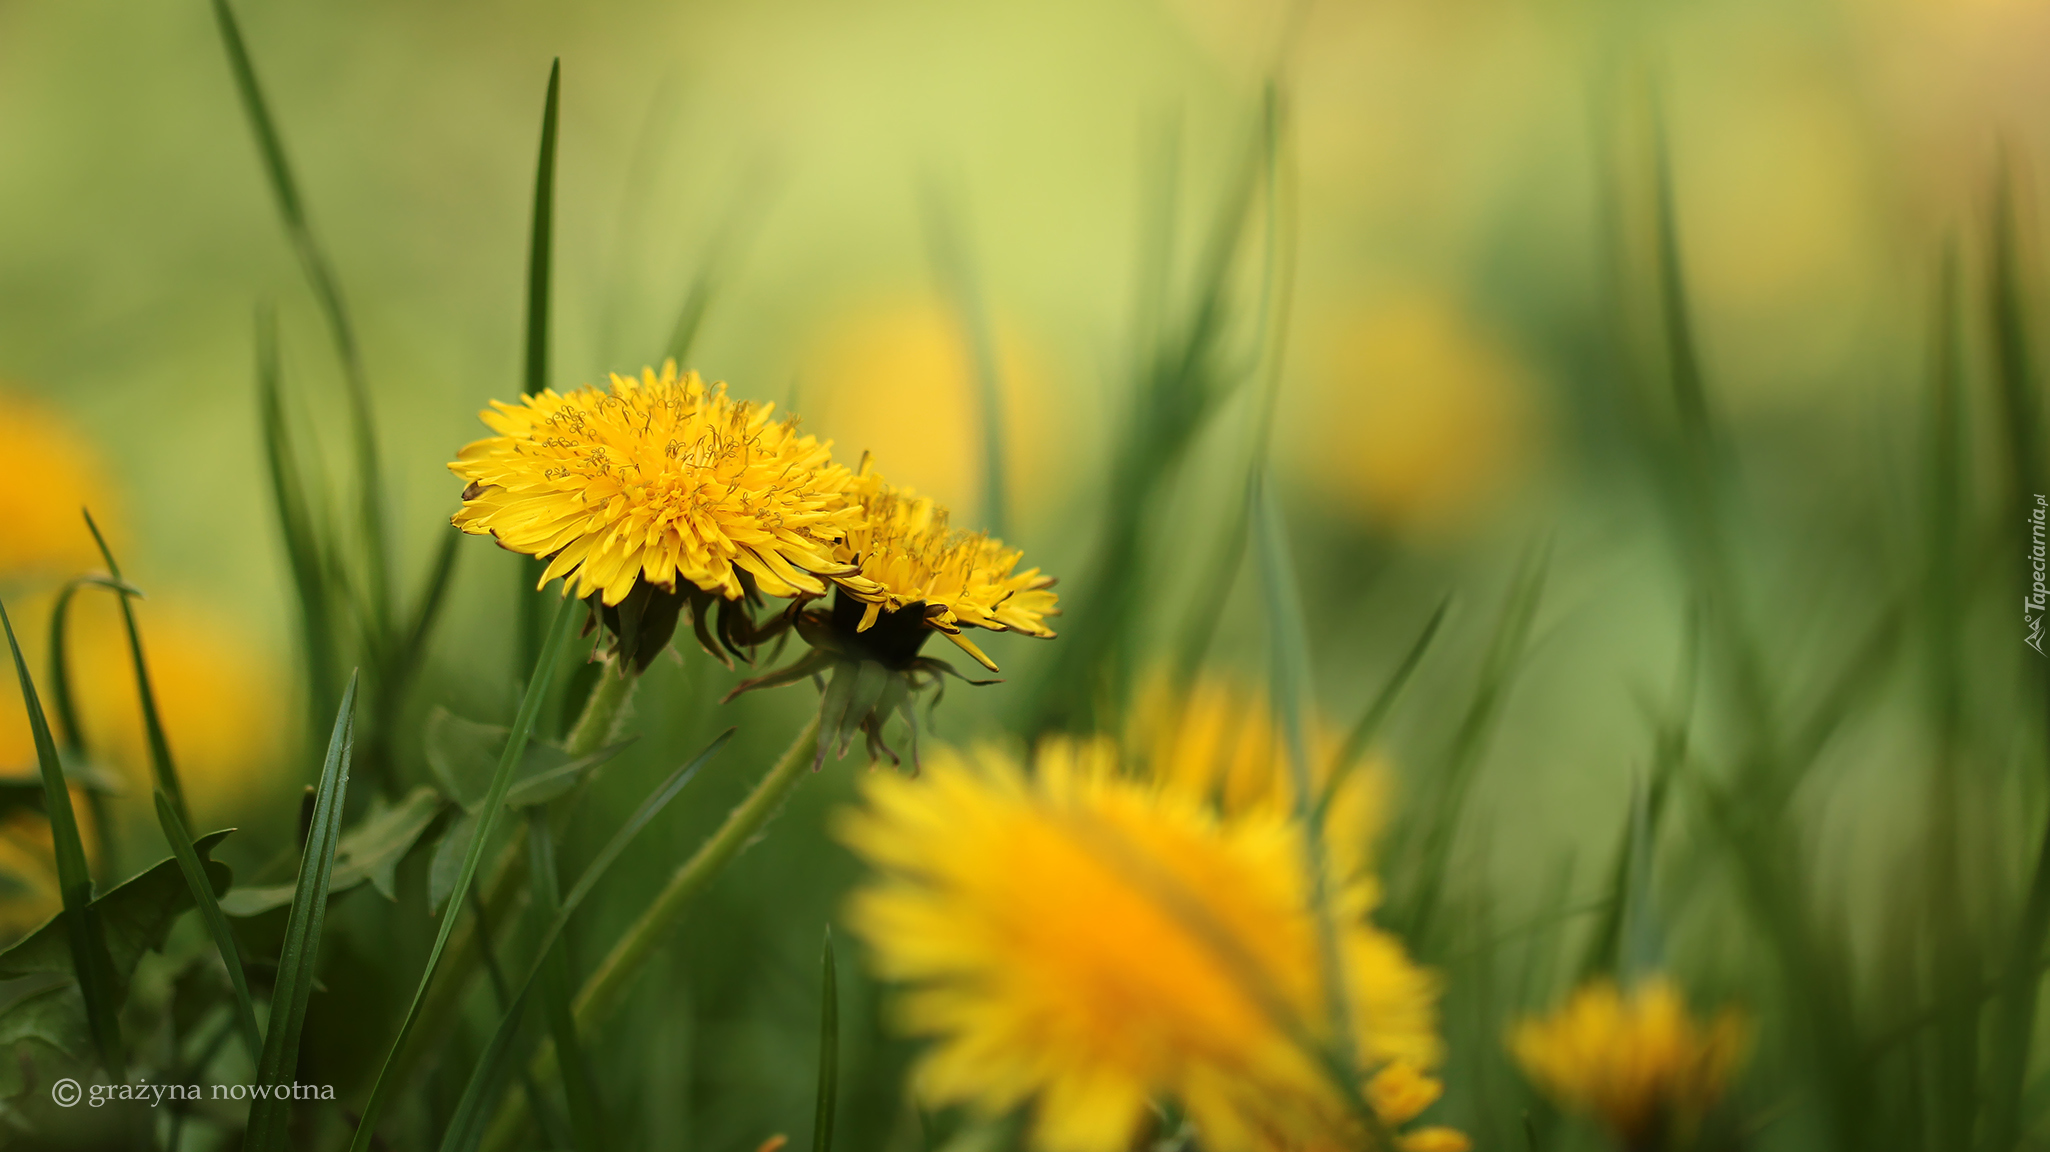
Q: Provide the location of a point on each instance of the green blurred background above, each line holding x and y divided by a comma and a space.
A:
1448, 394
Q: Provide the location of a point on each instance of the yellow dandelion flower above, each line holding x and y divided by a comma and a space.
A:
913, 567
47, 473
1636, 1062
1093, 942
659, 479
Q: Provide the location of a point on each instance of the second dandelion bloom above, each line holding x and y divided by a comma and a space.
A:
1096, 944
1636, 1061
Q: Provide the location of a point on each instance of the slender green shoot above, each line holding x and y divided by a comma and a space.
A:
1368, 726
152, 722
310, 581
954, 263
829, 1050
87, 937
269, 1126
216, 922
327, 292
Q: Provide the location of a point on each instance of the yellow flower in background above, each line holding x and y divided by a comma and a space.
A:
905, 556
1638, 1062
47, 473
1092, 942
895, 378
659, 478
1416, 416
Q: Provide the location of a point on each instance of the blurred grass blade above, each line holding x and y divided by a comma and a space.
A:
579, 1087
216, 922
540, 248
299, 959
327, 291
493, 808
2015, 375
954, 261
1369, 724
1289, 659
296, 525
152, 722
1469, 742
829, 1050
89, 958
593, 872
70, 732
737, 227
487, 1080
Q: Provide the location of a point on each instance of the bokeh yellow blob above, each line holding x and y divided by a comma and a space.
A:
47, 473
895, 377
1416, 415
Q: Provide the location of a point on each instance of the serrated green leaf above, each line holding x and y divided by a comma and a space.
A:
53, 1017
447, 862
134, 916
370, 852
463, 754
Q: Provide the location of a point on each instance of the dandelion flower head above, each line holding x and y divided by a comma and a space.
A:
1092, 942
1636, 1061
659, 478
908, 556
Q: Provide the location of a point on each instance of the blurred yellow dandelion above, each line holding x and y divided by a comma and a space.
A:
1637, 1062
908, 563
1092, 943
47, 473
658, 479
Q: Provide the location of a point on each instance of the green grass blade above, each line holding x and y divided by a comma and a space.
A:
301, 535
738, 226
1289, 660
559, 923
216, 921
494, 806
1469, 743
327, 291
829, 1050
298, 961
1369, 724
2021, 412
953, 260
89, 958
579, 1086
473, 1111
152, 722
540, 245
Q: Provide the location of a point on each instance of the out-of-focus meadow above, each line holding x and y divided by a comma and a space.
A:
1472, 350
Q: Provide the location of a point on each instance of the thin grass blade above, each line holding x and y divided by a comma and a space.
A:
296, 524
954, 263
540, 248
216, 922
481, 1085
328, 293
829, 1050
494, 805
152, 722
1369, 724
89, 958
298, 960
579, 1086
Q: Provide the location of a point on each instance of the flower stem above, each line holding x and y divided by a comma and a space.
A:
603, 710
601, 992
